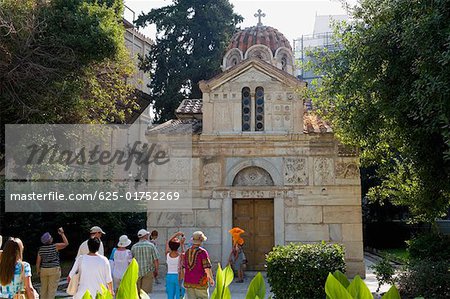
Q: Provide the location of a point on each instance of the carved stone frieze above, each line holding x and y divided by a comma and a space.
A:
295, 171
212, 174
347, 170
323, 171
253, 176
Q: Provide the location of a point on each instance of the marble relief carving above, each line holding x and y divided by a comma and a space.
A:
323, 171
253, 176
295, 171
346, 170
211, 174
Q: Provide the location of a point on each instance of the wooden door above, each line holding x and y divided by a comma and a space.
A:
255, 216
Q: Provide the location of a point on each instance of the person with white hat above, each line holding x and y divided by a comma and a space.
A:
120, 259
95, 232
197, 269
147, 257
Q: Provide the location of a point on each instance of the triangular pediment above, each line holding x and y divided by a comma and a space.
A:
251, 70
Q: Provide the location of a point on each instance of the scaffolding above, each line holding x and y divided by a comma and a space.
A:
307, 43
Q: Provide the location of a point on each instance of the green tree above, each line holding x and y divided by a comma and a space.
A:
386, 89
192, 36
63, 61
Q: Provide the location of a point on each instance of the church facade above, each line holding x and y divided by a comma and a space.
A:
263, 161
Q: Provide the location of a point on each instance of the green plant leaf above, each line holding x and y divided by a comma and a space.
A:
226, 293
257, 287
358, 289
218, 291
87, 295
391, 294
127, 288
228, 276
341, 278
334, 289
104, 294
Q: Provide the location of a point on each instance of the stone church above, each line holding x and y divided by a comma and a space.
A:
264, 161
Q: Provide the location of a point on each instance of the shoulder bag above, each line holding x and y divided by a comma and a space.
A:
72, 288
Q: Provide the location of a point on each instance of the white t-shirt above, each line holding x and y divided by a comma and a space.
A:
94, 271
172, 264
84, 249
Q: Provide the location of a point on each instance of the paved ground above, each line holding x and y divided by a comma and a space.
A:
239, 290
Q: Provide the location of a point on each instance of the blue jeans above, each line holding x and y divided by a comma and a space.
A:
173, 288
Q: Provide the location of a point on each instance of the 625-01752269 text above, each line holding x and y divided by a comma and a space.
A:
97, 195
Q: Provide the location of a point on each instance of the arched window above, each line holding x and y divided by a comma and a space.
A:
246, 109
284, 63
259, 109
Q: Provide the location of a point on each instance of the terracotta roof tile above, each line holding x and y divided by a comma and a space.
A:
313, 124
189, 108
178, 126
255, 35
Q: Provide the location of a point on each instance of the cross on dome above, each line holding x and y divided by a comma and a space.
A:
259, 15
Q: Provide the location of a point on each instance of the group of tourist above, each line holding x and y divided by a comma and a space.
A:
189, 273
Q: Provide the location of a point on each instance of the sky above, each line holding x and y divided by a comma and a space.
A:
293, 18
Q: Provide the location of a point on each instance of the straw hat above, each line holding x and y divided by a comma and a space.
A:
198, 237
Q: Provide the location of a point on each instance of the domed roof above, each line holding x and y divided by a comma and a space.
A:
255, 35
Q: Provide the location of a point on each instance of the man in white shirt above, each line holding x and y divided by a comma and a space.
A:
96, 232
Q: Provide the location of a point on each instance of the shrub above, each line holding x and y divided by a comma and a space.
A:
299, 270
337, 286
433, 246
384, 271
429, 279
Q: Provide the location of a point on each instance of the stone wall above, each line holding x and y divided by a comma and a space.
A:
316, 191
223, 105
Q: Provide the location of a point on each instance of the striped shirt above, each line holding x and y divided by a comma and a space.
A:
49, 256
145, 254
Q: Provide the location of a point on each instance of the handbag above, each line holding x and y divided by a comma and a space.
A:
72, 288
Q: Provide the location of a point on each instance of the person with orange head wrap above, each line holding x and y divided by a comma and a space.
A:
237, 256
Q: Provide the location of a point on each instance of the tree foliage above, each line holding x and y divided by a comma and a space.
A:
386, 89
192, 36
63, 61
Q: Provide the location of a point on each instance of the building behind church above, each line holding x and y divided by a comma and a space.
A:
262, 161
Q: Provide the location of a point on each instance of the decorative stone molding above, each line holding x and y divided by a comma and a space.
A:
232, 57
346, 170
259, 51
253, 193
323, 171
253, 176
295, 171
265, 164
212, 174
284, 60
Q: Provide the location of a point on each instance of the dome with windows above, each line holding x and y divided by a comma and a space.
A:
259, 35
262, 42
